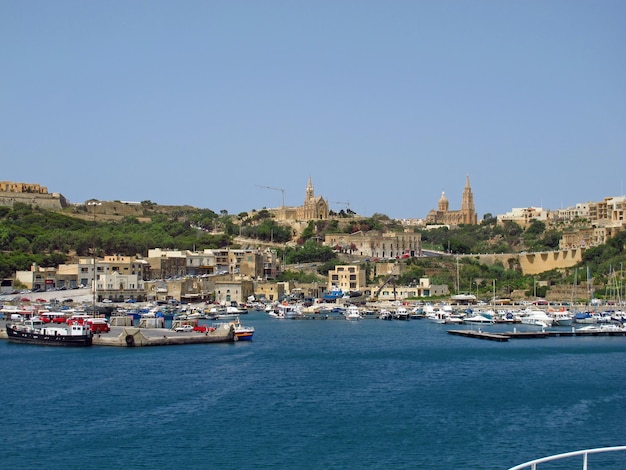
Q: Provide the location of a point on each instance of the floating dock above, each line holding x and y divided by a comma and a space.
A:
505, 336
480, 335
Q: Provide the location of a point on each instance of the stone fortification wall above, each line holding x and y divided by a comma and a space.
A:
536, 263
52, 201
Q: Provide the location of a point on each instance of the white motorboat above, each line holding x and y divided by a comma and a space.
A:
454, 319
478, 319
402, 314
604, 327
537, 318
353, 313
437, 316
286, 311
562, 318
385, 315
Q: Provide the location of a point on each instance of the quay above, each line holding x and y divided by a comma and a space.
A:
138, 337
321, 316
505, 336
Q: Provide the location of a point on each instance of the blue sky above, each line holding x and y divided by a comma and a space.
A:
384, 104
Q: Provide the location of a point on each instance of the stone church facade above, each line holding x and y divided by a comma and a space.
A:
443, 214
314, 207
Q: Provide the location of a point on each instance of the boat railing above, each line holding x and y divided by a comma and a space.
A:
532, 464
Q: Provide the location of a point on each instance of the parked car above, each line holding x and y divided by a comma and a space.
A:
183, 329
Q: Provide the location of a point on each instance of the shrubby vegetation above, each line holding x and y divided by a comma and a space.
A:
32, 235
489, 237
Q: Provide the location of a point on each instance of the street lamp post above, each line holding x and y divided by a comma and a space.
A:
94, 203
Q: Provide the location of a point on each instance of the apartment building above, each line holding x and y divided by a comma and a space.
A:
524, 216
347, 278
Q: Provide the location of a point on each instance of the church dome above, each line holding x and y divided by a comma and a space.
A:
443, 202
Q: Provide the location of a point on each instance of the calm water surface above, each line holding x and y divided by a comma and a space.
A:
313, 395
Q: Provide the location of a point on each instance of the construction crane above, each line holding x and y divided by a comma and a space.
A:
391, 279
347, 204
275, 189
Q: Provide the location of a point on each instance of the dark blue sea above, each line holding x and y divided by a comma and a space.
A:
315, 395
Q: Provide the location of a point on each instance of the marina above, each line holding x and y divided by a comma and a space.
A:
148, 325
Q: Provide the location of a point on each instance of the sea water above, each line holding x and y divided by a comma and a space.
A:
316, 395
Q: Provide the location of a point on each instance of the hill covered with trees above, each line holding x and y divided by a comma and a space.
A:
33, 235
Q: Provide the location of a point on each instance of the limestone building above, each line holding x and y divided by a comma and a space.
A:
313, 208
524, 216
377, 244
443, 214
347, 278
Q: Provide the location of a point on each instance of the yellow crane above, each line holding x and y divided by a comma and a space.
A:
391, 279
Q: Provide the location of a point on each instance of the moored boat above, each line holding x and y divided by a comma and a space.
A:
402, 314
600, 328
584, 318
478, 319
437, 316
36, 332
242, 333
353, 313
385, 315
286, 311
334, 294
537, 318
562, 318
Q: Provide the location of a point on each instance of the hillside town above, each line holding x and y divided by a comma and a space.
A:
237, 275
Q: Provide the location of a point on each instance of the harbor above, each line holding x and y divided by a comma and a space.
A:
150, 324
318, 385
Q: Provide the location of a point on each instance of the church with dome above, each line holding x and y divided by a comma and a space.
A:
444, 216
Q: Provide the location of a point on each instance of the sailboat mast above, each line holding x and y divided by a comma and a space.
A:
458, 282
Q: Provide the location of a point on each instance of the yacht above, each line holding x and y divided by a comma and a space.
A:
537, 318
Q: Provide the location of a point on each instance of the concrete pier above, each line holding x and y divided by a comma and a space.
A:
130, 337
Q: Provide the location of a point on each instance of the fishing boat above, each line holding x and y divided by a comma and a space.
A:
385, 315
437, 316
334, 294
242, 333
35, 331
353, 313
402, 314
